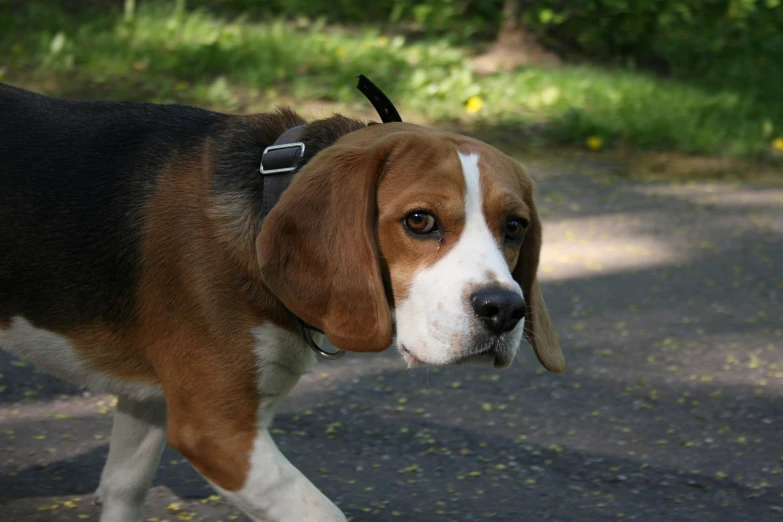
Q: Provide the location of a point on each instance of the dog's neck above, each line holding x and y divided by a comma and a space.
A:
321, 134
238, 188
290, 152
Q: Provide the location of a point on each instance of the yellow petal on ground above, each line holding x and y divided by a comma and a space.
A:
594, 143
474, 104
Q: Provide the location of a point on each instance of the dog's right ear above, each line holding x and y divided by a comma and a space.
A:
538, 325
318, 252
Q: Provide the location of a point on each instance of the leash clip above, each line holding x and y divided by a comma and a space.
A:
307, 333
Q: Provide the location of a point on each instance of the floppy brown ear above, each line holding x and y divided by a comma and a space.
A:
538, 326
317, 249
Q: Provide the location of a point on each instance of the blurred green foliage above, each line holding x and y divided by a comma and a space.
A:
720, 42
718, 94
449, 18
737, 42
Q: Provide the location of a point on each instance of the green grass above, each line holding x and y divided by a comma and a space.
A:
172, 55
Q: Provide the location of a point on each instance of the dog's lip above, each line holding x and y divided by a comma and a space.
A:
483, 356
499, 359
502, 362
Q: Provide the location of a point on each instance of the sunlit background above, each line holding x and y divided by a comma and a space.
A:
695, 76
654, 131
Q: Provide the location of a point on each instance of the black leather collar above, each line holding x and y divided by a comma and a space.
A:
279, 163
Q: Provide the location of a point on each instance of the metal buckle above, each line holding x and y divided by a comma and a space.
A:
298, 144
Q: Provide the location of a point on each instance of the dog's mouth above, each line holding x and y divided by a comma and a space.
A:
497, 355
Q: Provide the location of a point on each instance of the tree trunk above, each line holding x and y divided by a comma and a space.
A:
510, 23
514, 45
129, 11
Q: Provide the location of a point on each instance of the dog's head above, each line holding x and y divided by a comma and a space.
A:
399, 232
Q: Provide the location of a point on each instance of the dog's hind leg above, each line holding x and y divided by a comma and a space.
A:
137, 441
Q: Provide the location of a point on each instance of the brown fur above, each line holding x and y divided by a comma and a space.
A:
328, 252
316, 278
402, 190
193, 320
197, 314
326, 269
504, 182
538, 325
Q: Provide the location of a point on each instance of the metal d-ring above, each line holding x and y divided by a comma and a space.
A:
308, 335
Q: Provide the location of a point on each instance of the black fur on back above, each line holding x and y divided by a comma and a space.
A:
75, 178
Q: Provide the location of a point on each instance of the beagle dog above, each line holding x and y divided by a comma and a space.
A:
135, 259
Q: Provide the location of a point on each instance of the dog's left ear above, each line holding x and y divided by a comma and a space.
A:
318, 252
538, 325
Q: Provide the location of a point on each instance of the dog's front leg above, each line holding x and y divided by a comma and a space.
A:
275, 491
244, 465
220, 405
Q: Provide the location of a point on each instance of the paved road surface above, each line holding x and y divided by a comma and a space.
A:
667, 299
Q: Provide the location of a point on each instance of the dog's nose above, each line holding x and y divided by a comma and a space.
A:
499, 309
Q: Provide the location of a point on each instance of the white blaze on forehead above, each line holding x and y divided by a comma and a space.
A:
477, 238
436, 322
473, 204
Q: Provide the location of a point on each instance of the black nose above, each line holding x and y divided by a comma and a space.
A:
499, 309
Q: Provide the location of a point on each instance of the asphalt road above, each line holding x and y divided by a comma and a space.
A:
667, 299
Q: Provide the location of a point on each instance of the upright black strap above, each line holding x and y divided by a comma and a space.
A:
386, 109
279, 162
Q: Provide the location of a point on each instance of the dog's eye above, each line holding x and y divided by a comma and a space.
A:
421, 223
515, 229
